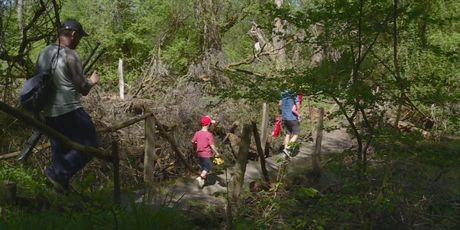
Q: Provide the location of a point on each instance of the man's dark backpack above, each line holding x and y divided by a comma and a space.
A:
37, 91
34, 96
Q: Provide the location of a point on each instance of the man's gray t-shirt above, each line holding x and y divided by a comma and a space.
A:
68, 78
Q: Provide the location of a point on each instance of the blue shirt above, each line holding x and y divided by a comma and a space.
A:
288, 100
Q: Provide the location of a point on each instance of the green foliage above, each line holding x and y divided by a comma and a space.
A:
25, 178
135, 31
140, 217
179, 51
384, 197
306, 193
359, 71
234, 20
412, 146
17, 46
92, 210
415, 184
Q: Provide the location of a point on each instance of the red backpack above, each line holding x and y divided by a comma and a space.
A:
277, 127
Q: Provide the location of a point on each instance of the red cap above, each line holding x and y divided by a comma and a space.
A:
206, 120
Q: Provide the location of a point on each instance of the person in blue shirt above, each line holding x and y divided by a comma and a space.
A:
289, 106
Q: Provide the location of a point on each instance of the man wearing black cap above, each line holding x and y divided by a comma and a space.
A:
65, 112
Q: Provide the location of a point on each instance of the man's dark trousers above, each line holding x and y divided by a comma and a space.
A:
78, 127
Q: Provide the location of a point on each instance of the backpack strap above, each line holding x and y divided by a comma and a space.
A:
55, 58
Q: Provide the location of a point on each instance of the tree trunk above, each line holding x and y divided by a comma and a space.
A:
279, 43
318, 51
212, 40
211, 43
20, 10
262, 40
395, 60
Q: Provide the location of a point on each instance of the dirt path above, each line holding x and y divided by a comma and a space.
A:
186, 190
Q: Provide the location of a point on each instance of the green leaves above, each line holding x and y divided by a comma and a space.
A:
305, 193
24, 178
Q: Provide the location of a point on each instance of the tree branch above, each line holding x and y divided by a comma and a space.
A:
125, 123
99, 153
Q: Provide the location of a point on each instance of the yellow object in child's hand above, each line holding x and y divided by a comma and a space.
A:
218, 161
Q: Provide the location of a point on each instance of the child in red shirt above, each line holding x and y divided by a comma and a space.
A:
204, 146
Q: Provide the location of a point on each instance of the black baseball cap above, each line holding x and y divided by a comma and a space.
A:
72, 24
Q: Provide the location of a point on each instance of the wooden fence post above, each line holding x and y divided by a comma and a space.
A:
264, 126
121, 81
149, 150
319, 139
260, 153
242, 159
116, 170
9, 190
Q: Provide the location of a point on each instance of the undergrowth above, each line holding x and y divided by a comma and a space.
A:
409, 183
39, 207
139, 217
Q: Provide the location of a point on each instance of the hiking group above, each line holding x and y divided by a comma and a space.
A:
203, 140
63, 111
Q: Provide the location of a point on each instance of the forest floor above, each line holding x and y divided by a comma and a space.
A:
185, 192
